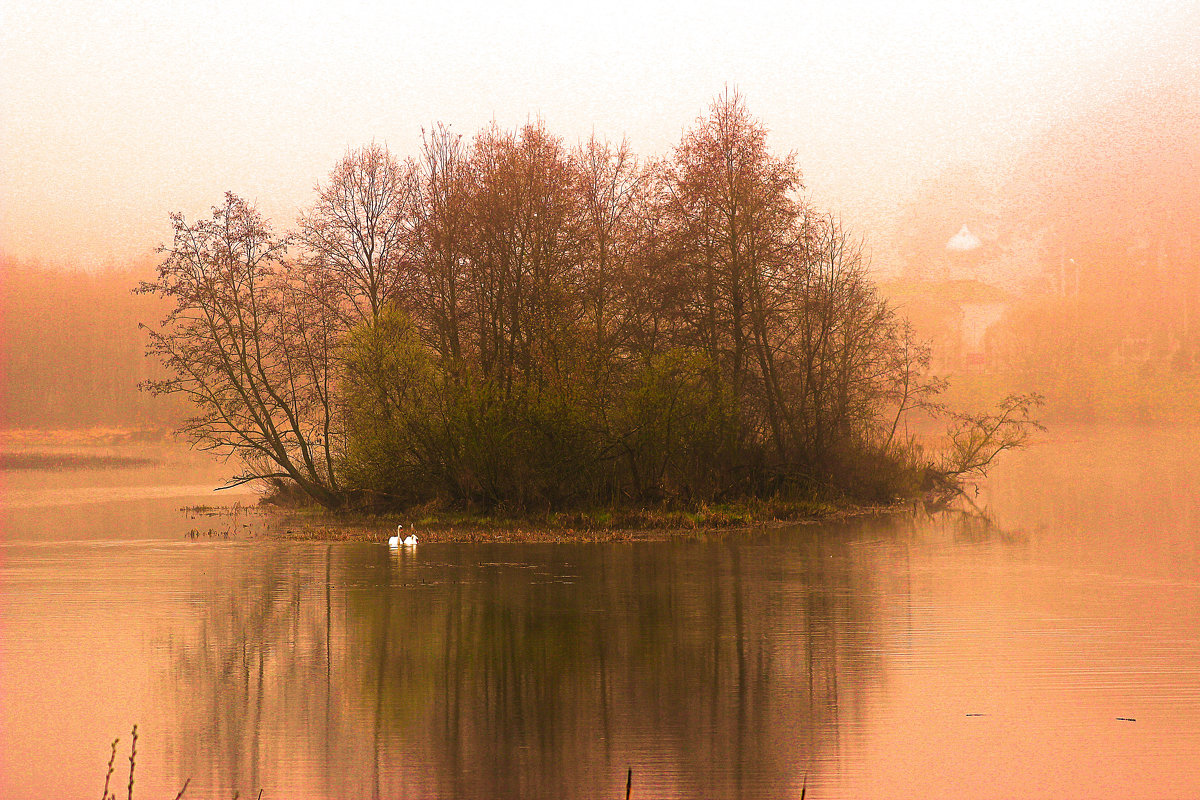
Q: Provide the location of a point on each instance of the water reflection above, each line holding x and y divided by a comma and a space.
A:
961, 520
101, 493
856, 657
715, 669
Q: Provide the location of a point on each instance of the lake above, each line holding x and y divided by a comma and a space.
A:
1045, 643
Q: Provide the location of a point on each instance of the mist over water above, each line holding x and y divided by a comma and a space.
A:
965, 653
1025, 185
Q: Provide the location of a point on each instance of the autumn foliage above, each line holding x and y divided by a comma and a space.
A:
509, 321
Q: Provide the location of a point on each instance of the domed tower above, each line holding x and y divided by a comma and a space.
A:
964, 253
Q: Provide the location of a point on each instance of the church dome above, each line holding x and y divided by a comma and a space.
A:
963, 240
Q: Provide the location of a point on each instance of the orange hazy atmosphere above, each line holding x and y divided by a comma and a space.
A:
621, 383
115, 113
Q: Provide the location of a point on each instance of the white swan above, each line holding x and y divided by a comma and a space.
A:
407, 541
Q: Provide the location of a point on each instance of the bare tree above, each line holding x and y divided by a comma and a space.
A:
975, 441
612, 190
440, 242
244, 345
357, 234
735, 209
524, 252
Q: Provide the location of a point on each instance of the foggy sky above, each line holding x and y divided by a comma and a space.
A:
114, 113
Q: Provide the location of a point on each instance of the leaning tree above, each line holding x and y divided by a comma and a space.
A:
252, 348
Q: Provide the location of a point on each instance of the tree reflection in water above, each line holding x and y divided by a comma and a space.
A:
717, 667
963, 521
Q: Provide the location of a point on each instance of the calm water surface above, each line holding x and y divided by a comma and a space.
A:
954, 655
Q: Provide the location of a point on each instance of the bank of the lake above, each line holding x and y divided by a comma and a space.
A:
626, 524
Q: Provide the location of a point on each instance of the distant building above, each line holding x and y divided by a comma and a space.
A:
963, 241
954, 316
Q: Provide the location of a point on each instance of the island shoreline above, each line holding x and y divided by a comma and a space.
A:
593, 526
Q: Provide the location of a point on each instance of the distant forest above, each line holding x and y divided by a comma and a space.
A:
71, 354
1095, 227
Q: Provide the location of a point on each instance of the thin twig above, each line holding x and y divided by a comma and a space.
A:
183, 789
132, 755
111, 760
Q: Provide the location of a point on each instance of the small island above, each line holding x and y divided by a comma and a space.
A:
514, 333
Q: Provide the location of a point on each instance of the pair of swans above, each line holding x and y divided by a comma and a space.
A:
407, 541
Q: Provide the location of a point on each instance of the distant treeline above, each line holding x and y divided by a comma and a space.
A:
1101, 215
508, 321
1112, 200
71, 354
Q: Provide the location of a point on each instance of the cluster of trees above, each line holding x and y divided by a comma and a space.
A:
508, 321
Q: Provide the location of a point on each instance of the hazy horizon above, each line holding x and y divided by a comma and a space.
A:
115, 115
